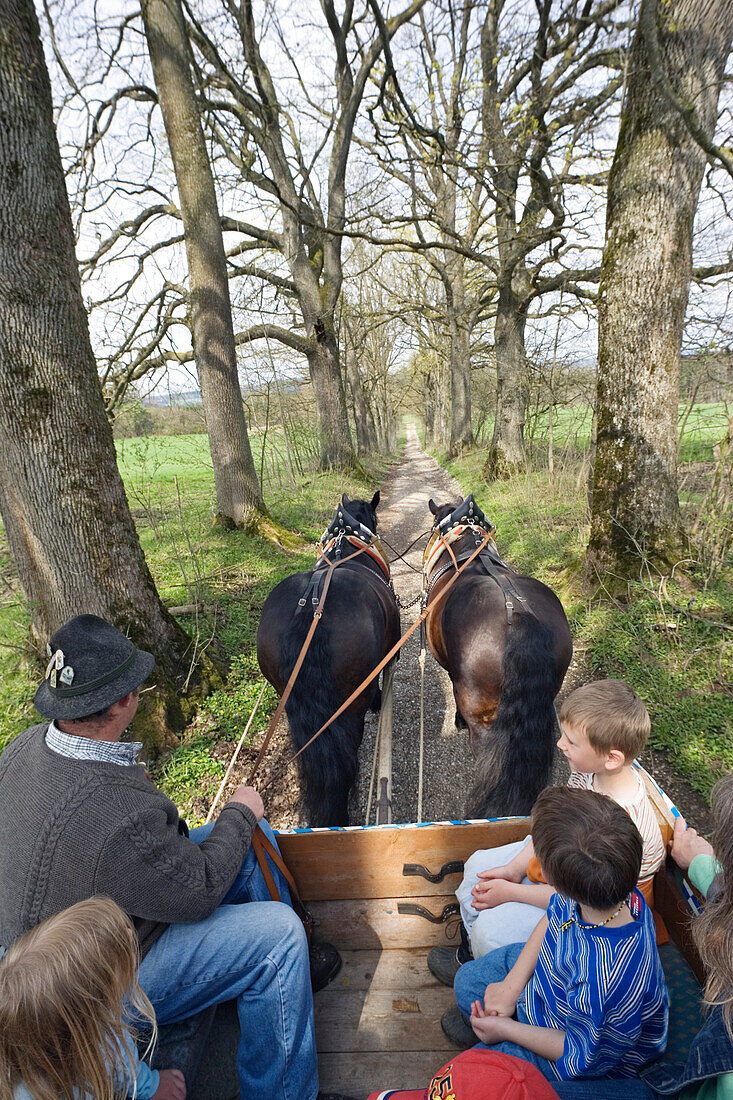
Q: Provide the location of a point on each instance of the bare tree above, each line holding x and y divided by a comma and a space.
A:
63, 503
545, 88
438, 130
238, 495
261, 135
647, 265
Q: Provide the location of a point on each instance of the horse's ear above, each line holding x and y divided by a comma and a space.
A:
433, 506
460, 500
344, 500
375, 500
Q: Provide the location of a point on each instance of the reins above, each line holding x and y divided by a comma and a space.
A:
401, 557
395, 649
317, 614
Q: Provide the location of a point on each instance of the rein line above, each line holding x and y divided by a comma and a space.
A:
395, 649
317, 614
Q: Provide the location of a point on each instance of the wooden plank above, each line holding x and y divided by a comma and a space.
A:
376, 925
367, 863
383, 792
671, 903
360, 1074
402, 969
661, 809
382, 1019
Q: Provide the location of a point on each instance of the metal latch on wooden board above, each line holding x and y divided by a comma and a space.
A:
412, 909
453, 867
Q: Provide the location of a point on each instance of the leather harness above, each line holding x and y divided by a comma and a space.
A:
494, 567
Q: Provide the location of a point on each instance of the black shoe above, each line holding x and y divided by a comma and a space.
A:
325, 964
445, 962
456, 1029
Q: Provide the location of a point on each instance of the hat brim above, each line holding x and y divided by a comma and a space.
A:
53, 706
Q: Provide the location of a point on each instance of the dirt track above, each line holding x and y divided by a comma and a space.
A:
403, 514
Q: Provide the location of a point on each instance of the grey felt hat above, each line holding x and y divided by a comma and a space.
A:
91, 666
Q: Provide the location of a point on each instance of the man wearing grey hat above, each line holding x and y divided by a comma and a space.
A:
79, 816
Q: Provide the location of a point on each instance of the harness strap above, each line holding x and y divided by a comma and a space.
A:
395, 649
262, 844
301, 657
490, 560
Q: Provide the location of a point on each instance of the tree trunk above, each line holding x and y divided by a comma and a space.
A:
63, 504
506, 453
429, 399
337, 451
461, 435
238, 494
366, 436
645, 277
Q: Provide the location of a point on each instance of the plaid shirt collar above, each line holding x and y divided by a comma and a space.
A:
86, 748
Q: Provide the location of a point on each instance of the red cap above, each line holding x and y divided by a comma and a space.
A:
480, 1075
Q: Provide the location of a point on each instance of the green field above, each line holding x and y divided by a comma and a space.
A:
700, 428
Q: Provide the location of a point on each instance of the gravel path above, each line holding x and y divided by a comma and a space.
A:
403, 514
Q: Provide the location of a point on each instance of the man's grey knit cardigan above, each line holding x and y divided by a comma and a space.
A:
70, 829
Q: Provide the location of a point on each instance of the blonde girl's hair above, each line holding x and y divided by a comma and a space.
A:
713, 929
64, 987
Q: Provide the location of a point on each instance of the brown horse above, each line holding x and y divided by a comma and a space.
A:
360, 624
505, 642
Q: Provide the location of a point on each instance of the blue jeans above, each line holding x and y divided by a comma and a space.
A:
257, 953
603, 1088
470, 985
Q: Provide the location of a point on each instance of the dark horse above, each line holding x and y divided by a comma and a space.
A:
359, 626
505, 642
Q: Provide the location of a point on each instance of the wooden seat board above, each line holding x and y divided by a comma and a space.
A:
360, 1074
374, 925
368, 863
378, 1023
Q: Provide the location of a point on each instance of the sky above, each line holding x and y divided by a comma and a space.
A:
129, 170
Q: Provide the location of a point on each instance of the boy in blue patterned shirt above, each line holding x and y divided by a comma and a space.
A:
587, 988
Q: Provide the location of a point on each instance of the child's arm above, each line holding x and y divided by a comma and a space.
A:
548, 1042
487, 895
515, 869
500, 998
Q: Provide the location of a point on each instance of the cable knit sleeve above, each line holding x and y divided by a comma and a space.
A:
155, 873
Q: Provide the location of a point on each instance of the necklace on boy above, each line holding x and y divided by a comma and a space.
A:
587, 924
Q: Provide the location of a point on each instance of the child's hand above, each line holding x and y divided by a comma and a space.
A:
508, 871
487, 895
686, 844
172, 1086
488, 1027
498, 1000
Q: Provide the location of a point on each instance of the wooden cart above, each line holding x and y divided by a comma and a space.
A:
378, 1023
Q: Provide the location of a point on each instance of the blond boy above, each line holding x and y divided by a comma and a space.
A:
604, 726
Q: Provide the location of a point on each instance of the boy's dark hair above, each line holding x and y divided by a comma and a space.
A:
589, 847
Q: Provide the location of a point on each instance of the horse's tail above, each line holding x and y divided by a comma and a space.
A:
515, 759
328, 767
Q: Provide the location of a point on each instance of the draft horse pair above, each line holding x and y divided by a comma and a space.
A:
502, 637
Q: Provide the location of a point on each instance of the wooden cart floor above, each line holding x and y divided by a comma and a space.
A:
378, 1023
